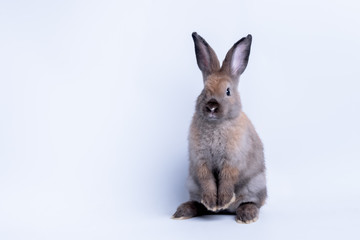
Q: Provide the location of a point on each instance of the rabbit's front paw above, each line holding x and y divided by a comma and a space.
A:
209, 201
225, 200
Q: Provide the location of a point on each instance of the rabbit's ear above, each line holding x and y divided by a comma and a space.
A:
237, 57
205, 56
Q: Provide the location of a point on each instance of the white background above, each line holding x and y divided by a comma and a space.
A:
96, 98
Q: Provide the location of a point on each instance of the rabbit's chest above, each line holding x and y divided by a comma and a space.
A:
214, 146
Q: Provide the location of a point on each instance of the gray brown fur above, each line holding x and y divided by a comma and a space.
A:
227, 170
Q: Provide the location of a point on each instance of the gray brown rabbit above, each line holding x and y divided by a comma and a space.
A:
227, 169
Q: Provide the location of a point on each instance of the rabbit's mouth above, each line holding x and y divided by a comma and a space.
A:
212, 116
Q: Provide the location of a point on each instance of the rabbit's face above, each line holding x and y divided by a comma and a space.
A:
219, 99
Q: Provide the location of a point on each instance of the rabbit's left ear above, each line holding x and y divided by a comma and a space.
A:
237, 57
205, 56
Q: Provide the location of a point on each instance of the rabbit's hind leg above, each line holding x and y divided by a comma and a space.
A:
189, 209
247, 213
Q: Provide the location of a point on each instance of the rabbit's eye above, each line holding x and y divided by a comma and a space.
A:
228, 91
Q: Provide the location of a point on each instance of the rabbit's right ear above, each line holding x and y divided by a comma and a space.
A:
205, 56
237, 57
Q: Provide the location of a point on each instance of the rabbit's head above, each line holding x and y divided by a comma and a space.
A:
220, 98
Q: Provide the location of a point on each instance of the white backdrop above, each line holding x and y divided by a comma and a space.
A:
96, 98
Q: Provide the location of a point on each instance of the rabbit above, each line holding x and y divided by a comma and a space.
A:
227, 168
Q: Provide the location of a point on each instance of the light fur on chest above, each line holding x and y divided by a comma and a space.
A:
225, 143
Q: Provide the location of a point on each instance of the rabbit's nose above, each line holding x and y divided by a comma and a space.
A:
212, 106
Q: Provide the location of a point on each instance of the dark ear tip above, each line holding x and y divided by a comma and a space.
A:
249, 37
197, 38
